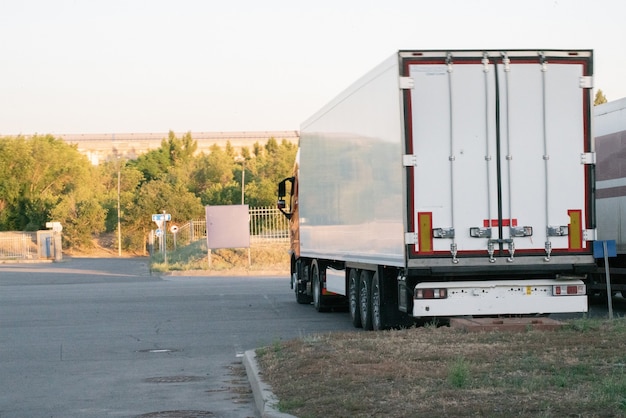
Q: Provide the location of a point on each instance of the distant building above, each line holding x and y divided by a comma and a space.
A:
102, 147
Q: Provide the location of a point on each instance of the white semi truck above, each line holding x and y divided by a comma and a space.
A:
448, 183
610, 133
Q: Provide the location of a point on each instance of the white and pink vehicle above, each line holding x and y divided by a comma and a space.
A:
610, 133
447, 183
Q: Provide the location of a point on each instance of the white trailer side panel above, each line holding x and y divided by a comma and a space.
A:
432, 145
610, 132
350, 181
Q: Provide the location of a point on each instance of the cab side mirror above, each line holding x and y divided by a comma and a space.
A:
282, 192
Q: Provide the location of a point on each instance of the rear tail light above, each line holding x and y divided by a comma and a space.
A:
431, 293
569, 290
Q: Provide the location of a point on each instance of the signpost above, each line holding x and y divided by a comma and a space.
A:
161, 219
606, 249
174, 230
227, 226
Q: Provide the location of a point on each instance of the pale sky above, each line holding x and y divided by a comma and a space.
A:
107, 66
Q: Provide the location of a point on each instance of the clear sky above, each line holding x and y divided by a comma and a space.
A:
106, 66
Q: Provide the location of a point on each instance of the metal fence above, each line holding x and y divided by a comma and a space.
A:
18, 245
267, 224
190, 232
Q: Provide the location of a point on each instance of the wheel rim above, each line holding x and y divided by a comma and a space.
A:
353, 295
300, 288
353, 301
376, 319
364, 299
316, 287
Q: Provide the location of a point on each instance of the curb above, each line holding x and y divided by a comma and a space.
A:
225, 273
265, 400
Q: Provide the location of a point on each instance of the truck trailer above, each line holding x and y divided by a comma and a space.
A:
448, 183
610, 137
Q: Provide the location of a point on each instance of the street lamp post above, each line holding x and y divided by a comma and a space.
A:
242, 160
119, 224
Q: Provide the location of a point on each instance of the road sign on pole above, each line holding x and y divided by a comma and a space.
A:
160, 218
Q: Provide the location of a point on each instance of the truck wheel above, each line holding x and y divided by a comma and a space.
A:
301, 296
377, 304
318, 297
353, 298
300, 284
365, 304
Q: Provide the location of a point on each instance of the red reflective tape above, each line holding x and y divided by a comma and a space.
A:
495, 223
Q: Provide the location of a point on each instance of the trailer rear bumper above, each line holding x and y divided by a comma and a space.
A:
499, 297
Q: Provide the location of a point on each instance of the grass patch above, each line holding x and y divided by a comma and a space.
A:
438, 371
459, 373
195, 257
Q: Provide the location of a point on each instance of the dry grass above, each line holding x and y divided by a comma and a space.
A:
262, 257
578, 371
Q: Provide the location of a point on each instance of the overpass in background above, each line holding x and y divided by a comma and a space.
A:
103, 147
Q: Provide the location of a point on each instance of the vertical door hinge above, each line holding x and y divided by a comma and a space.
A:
410, 238
406, 83
590, 234
586, 82
588, 158
409, 160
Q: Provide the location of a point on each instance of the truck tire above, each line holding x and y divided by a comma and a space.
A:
353, 298
319, 300
300, 285
365, 304
376, 300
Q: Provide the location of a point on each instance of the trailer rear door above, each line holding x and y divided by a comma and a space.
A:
498, 158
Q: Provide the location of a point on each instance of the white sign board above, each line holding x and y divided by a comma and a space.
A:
55, 226
228, 226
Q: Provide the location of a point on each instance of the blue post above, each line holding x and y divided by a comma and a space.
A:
606, 249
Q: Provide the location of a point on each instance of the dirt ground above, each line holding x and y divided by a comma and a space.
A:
430, 371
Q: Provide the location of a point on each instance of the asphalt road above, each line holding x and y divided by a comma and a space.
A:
103, 338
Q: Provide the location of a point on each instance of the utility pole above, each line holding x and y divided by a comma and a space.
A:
242, 160
119, 224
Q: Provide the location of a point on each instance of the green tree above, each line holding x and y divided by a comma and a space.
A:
45, 179
213, 175
153, 164
261, 193
130, 179
81, 220
14, 160
155, 197
174, 152
276, 162
49, 180
180, 150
